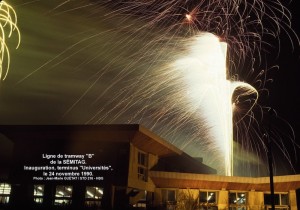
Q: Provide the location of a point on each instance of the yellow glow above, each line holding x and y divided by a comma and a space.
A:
90, 194
204, 67
8, 24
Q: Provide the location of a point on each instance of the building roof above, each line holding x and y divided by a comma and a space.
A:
182, 163
217, 182
131, 133
79, 136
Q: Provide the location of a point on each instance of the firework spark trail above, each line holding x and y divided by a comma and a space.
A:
8, 19
205, 69
146, 38
231, 21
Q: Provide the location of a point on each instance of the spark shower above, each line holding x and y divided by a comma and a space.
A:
205, 73
163, 64
8, 25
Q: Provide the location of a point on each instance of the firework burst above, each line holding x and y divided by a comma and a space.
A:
136, 46
8, 24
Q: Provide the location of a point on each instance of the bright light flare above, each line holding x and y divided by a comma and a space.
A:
204, 68
8, 25
188, 17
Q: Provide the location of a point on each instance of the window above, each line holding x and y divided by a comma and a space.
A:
284, 199
142, 159
93, 196
168, 195
142, 172
141, 203
4, 193
237, 201
142, 166
281, 200
63, 195
38, 193
208, 200
169, 199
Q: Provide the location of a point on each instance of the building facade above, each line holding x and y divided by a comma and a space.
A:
119, 167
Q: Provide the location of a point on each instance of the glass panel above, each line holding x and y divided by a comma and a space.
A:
92, 203
207, 199
63, 191
5, 189
142, 205
284, 199
211, 197
168, 195
142, 158
241, 198
276, 199
237, 201
232, 198
95, 193
171, 195
38, 190
38, 200
4, 199
267, 199
142, 174
203, 197
63, 195
62, 202
93, 196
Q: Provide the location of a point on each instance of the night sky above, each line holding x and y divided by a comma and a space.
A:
284, 91
81, 64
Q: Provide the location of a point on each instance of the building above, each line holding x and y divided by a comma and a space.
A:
119, 167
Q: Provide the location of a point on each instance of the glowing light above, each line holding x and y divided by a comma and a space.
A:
210, 196
100, 191
188, 17
205, 73
90, 194
8, 19
144, 89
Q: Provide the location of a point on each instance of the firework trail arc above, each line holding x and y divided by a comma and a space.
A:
151, 57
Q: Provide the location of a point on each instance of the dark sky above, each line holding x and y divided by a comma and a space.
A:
285, 91
77, 65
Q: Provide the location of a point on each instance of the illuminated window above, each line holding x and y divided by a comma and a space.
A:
141, 203
208, 200
38, 193
63, 195
4, 193
237, 201
93, 196
281, 200
142, 166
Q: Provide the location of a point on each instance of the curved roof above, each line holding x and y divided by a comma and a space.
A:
216, 182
